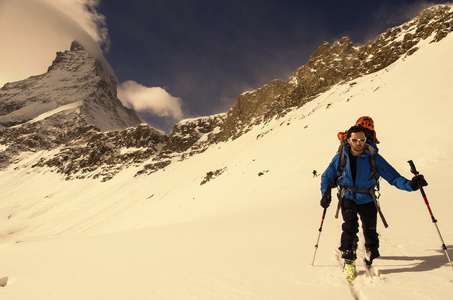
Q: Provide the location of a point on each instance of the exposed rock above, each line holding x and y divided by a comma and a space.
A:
331, 64
104, 154
73, 109
211, 175
193, 134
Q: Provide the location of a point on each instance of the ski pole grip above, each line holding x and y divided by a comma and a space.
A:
413, 169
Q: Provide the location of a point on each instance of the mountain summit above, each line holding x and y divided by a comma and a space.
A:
76, 85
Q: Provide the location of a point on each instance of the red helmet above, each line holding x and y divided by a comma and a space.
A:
365, 122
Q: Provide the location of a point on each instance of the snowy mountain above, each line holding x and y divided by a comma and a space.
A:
72, 111
207, 218
75, 83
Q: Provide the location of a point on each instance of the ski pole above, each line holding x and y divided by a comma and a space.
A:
378, 207
319, 235
444, 247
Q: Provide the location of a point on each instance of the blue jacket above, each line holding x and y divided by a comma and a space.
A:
364, 178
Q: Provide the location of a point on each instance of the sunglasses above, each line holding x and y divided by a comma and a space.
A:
361, 140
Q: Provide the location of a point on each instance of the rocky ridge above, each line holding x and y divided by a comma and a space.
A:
331, 64
81, 149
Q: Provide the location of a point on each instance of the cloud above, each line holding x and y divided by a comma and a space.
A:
154, 100
33, 31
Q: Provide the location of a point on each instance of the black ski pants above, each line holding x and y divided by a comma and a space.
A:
368, 216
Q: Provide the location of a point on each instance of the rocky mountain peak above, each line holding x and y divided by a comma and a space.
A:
73, 101
76, 83
75, 46
331, 64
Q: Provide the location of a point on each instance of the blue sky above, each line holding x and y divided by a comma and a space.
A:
178, 59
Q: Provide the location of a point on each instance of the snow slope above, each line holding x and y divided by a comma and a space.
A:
248, 233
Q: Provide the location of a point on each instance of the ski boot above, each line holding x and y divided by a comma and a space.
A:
350, 270
370, 255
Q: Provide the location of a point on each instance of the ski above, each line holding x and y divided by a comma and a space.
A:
351, 274
350, 278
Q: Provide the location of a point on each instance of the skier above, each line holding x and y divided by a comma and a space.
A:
356, 193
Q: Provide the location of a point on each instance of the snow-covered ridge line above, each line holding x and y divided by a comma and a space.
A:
67, 107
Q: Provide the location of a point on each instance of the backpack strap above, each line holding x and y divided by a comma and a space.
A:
337, 179
373, 171
342, 165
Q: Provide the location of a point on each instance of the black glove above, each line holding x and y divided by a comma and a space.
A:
418, 181
326, 198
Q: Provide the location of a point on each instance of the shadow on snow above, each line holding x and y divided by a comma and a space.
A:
420, 263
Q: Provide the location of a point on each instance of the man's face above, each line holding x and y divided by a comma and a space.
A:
357, 142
